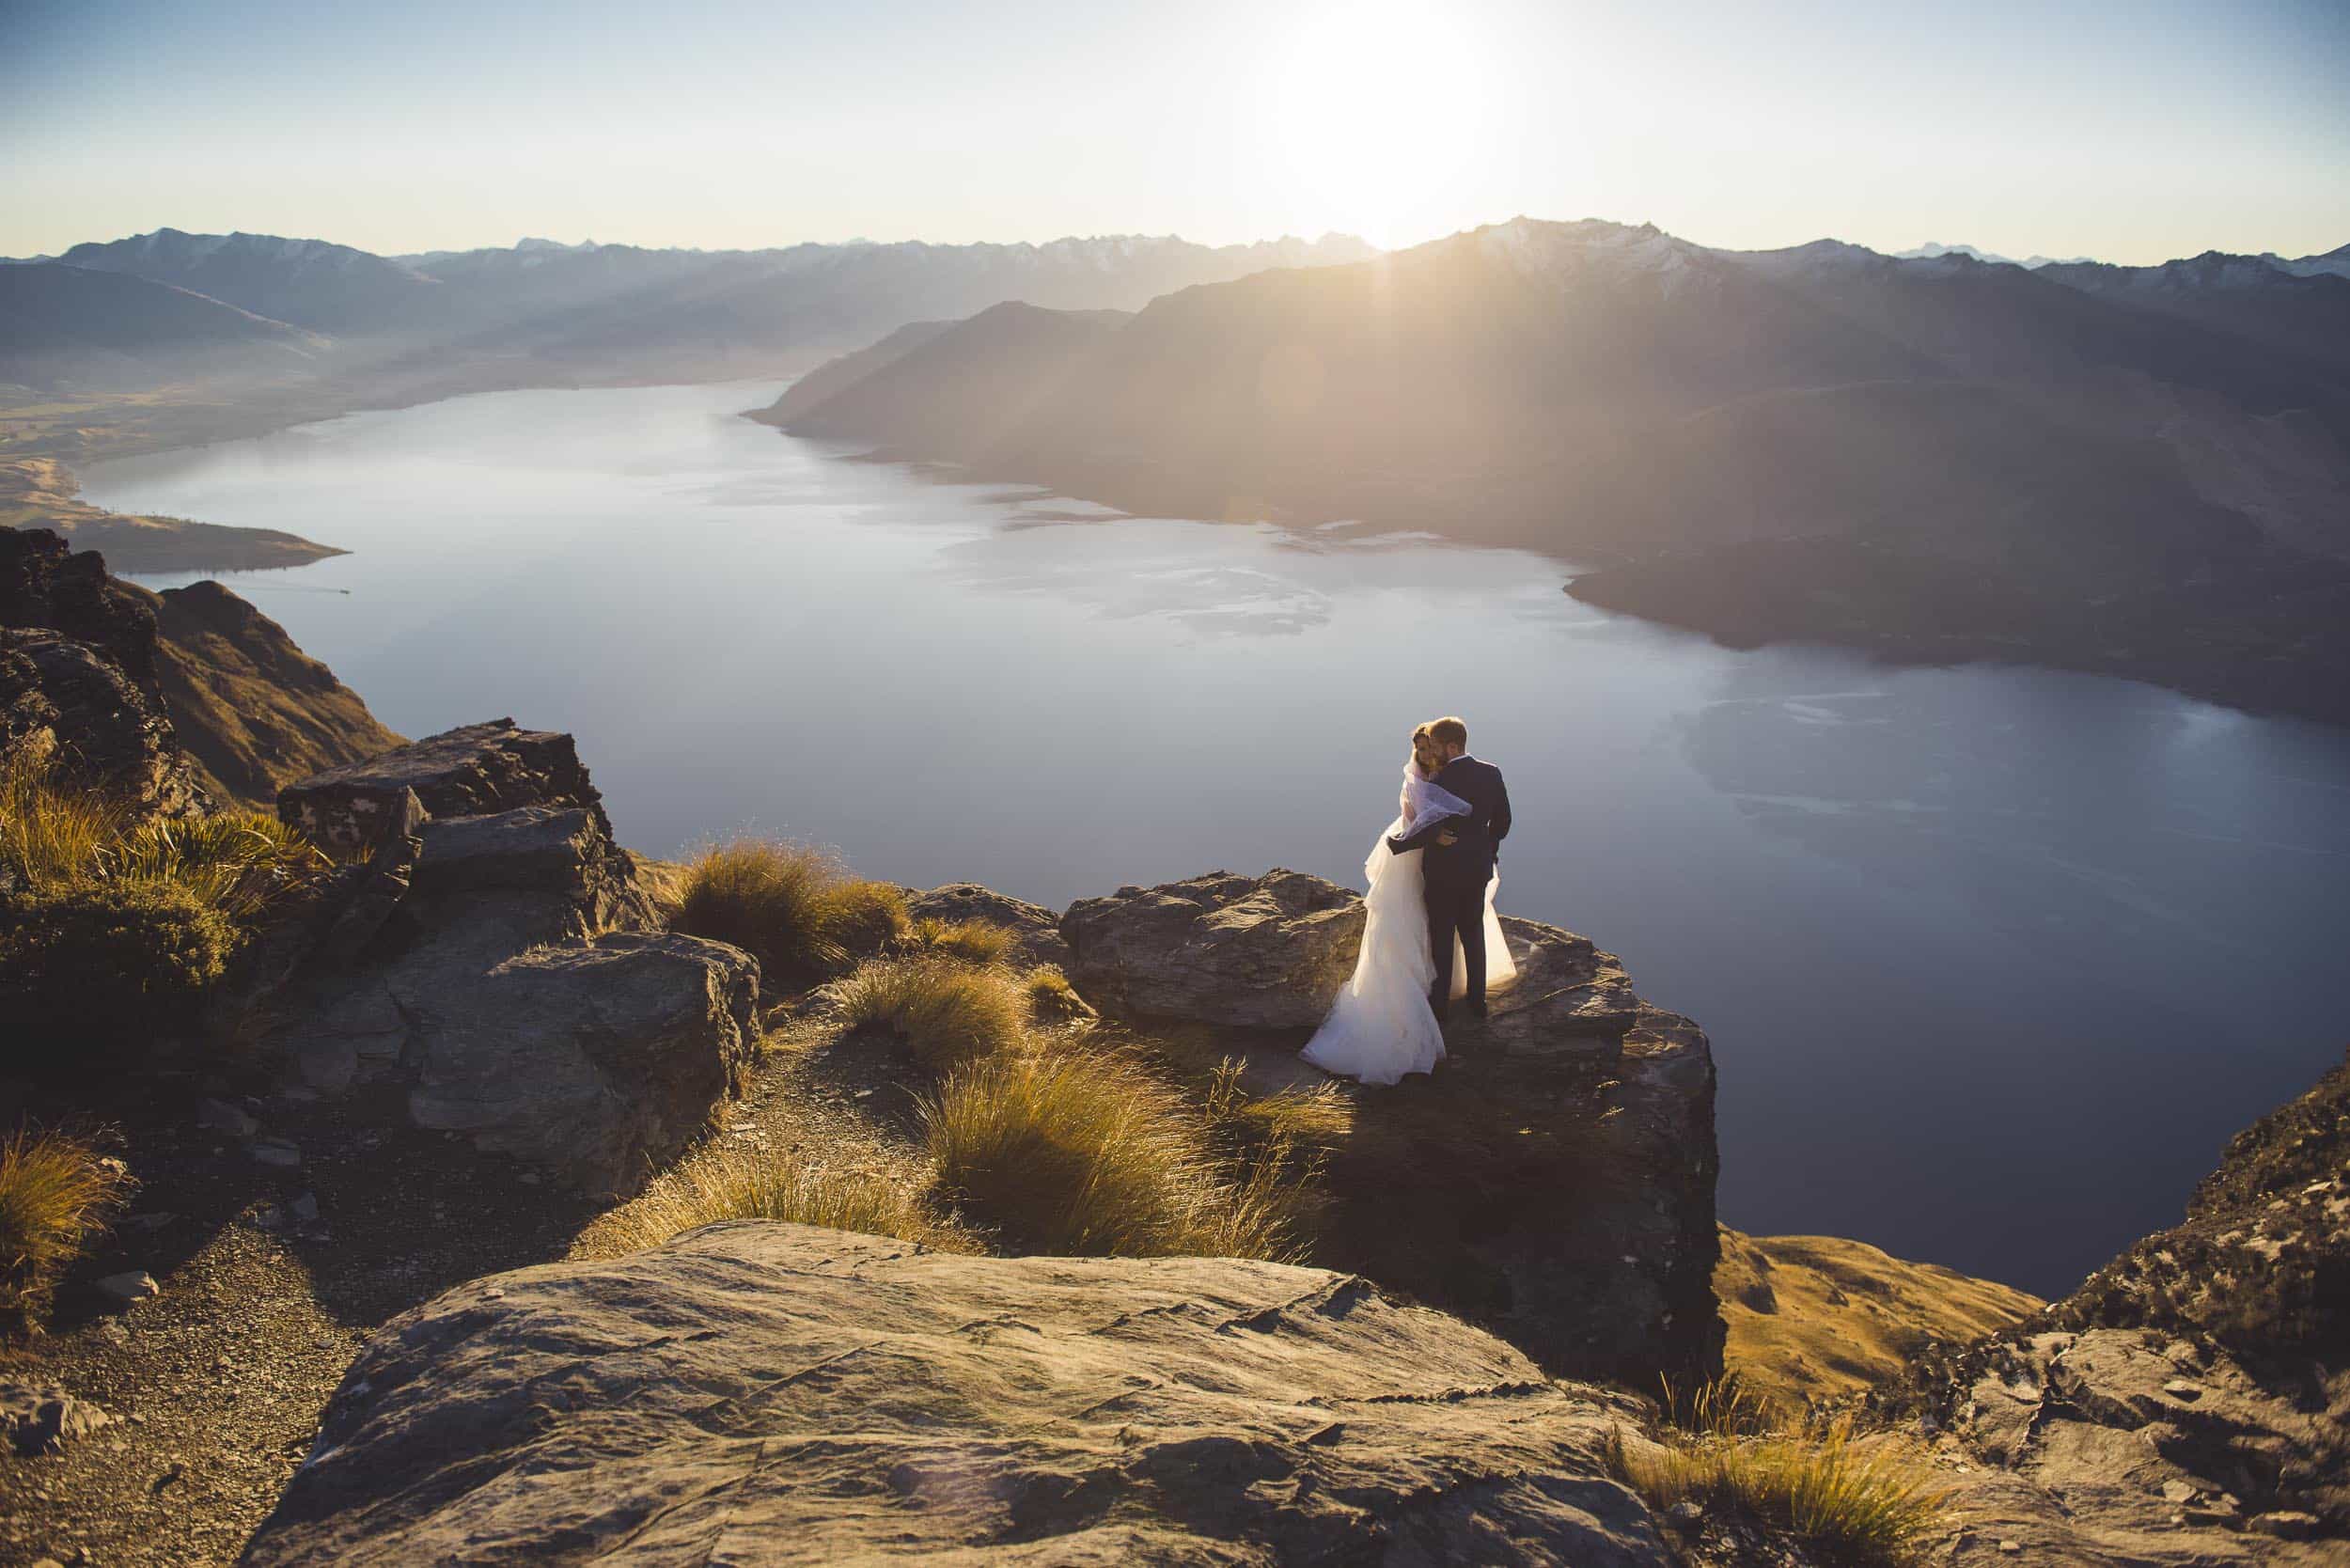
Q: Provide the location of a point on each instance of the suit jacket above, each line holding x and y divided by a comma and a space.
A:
1477, 835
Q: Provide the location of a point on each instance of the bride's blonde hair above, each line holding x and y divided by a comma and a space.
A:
1425, 750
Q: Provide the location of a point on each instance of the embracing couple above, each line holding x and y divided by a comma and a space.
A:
1431, 937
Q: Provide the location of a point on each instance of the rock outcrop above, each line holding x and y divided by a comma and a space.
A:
1036, 930
65, 705
1265, 952
1555, 1180
78, 687
768, 1393
497, 961
174, 700
2191, 1404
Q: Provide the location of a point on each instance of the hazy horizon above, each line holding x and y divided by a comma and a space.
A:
2130, 132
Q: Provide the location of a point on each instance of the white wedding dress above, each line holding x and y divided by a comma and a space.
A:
1380, 1026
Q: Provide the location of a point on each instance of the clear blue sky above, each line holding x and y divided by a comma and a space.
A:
2129, 131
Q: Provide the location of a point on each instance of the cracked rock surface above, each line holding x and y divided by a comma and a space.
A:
770, 1393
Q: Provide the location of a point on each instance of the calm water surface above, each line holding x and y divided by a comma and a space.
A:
1994, 961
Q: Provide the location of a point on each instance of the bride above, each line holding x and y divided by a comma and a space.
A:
1382, 1026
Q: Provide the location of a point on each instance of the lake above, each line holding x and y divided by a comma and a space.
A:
1993, 959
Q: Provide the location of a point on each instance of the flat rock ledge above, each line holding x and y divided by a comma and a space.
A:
1553, 1181
755, 1393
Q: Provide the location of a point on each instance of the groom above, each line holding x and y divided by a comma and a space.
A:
1459, 863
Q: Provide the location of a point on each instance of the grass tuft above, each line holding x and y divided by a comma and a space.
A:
947, 1012
969, 941
1315, 1117
56, 1190
239, 862
1051, 998
1807, 1477
1079, 1153
791, 906
736, 1183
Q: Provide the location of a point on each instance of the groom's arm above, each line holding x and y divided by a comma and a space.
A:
1501, 809
1421, 839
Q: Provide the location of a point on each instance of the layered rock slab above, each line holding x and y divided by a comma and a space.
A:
1553, 1182
504, 969
766, 1393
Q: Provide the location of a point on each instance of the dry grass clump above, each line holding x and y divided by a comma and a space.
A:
1808, 1479
970, 941
1315, 1117
947, 1012
57, 836
239, 862
791, 906
55, 1190
1051, 997
738, 1183
1080, 1154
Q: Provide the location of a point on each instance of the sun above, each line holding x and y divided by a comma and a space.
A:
1380, 110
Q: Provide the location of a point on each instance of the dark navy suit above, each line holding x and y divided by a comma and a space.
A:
1453, 876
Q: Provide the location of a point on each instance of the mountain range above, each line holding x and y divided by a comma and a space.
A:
169, 307
2143, 470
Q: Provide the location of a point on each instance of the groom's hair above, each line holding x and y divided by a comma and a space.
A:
1449, 731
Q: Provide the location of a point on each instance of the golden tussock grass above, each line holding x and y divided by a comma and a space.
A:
57, 836
1315, 1117
55, 1190
1809, 1478
971, 941
947, 1012
736, 1183
1051, 998
1081, 1152
792, 906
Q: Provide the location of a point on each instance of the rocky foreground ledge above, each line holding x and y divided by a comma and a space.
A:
766, 1393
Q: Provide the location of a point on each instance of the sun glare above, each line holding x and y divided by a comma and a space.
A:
1378, 110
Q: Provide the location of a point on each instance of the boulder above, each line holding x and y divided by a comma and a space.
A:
1554, 1182
476, 770
1036, 928
593, 1062
757, 1392
504, 968
1254, 952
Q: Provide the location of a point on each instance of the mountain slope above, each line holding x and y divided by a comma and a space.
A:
253, 710
954, 394
75, 326
836, 375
